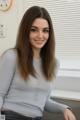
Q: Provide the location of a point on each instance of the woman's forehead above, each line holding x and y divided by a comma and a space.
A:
40, 22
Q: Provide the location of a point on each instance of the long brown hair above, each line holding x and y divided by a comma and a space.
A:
24, 50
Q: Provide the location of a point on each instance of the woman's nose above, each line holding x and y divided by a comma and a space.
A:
40, 34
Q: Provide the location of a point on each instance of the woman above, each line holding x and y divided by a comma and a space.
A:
27, 71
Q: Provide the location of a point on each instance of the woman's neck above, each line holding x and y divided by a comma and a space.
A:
36, 54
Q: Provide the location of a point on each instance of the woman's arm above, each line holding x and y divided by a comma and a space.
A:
7, 67
53, 106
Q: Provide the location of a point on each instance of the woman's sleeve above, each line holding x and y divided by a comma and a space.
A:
53, 106
7, 66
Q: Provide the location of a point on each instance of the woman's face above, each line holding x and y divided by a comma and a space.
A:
39, 33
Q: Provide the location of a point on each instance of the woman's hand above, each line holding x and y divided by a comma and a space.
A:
68, 115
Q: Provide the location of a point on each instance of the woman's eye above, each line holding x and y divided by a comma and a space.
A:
33, 30
46, 31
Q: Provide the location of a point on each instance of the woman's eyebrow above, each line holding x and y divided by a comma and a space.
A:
42, 28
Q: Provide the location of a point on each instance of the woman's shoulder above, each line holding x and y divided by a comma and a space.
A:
10, 54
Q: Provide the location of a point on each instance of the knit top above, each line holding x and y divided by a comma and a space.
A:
28, 97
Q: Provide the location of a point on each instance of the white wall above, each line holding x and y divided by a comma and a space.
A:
10, 20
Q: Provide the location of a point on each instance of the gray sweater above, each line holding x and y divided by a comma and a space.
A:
29, 97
